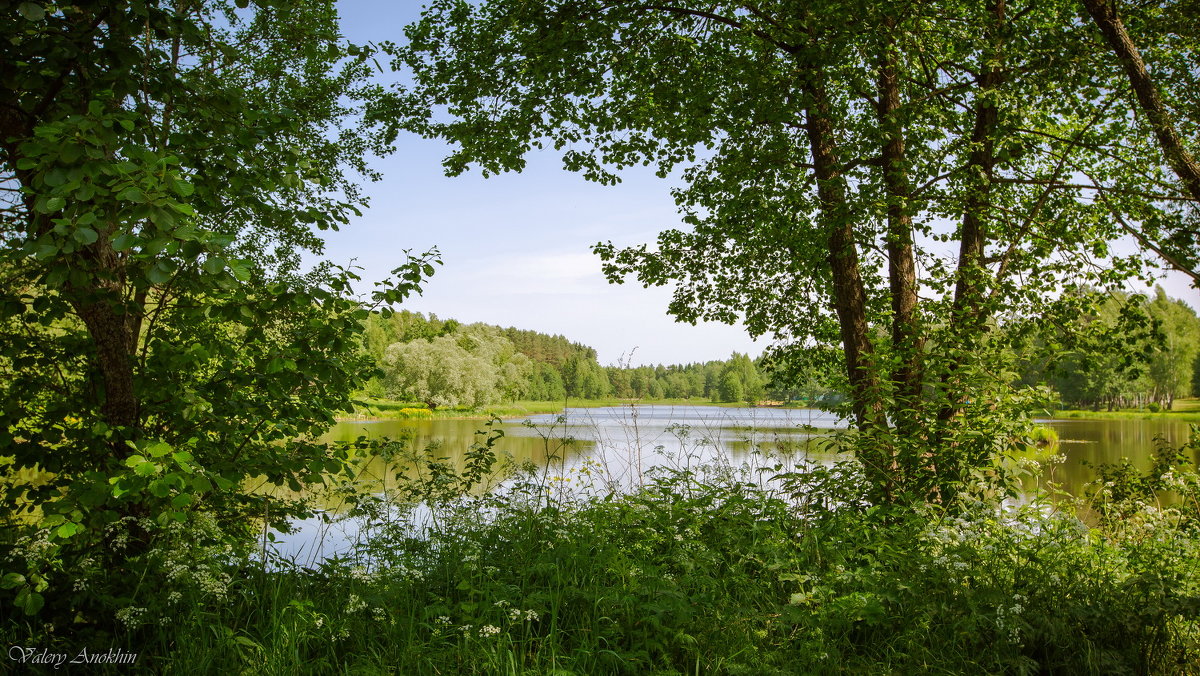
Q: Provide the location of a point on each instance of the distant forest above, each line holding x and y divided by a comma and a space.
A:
1117, 350
445, 363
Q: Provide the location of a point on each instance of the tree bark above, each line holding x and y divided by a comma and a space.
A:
849, 296
907, 337
967, 313
1104, 14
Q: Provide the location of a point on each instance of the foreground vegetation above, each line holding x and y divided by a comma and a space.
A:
707, 571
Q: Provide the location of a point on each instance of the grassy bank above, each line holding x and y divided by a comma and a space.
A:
387, 409
697, 572
1185, 410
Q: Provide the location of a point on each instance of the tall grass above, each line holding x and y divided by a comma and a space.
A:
756, 568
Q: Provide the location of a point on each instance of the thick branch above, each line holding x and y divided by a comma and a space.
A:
1104, 13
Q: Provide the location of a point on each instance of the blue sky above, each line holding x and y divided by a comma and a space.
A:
516, 247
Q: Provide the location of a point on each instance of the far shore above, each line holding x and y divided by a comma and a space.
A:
374, 410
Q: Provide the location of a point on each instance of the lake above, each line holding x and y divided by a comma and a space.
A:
597, 449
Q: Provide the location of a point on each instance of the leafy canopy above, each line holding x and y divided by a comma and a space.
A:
164, 167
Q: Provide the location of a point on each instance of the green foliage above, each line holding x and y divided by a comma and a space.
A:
166, 167
448, 364
826, 166
700, 570
470, 368
1117, 350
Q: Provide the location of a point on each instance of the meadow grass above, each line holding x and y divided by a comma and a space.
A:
770, 565
708, 570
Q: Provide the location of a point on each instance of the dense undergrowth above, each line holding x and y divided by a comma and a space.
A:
717, 569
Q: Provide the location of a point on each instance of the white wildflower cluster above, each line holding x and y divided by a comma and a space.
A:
516, 615
213, 583
34, 548
1008, 619
488, 630
131, 616
355, 604
175, 570
1181, 482
442, 620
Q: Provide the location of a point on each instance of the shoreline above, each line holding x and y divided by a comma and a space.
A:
537, 408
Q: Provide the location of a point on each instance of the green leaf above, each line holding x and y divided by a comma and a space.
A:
157, 449
11, 580
132, 194
183, 188
67, 529
31, 11
157, 275
85, 235
125, 241
146, 469
34, 603
51, 205
240, 269
160, 488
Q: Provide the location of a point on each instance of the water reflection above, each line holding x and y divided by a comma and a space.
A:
600, 449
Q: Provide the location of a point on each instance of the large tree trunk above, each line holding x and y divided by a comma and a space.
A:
907, 338
849, 298
967, 313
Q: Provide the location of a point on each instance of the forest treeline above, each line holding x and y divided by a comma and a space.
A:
1123, 350
445, 363
1117, 350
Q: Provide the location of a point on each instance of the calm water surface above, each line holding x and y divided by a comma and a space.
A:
616, 447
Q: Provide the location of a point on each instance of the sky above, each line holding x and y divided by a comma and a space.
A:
516, 247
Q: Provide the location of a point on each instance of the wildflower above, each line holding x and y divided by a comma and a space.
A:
442, 620
130, 616
488, 630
